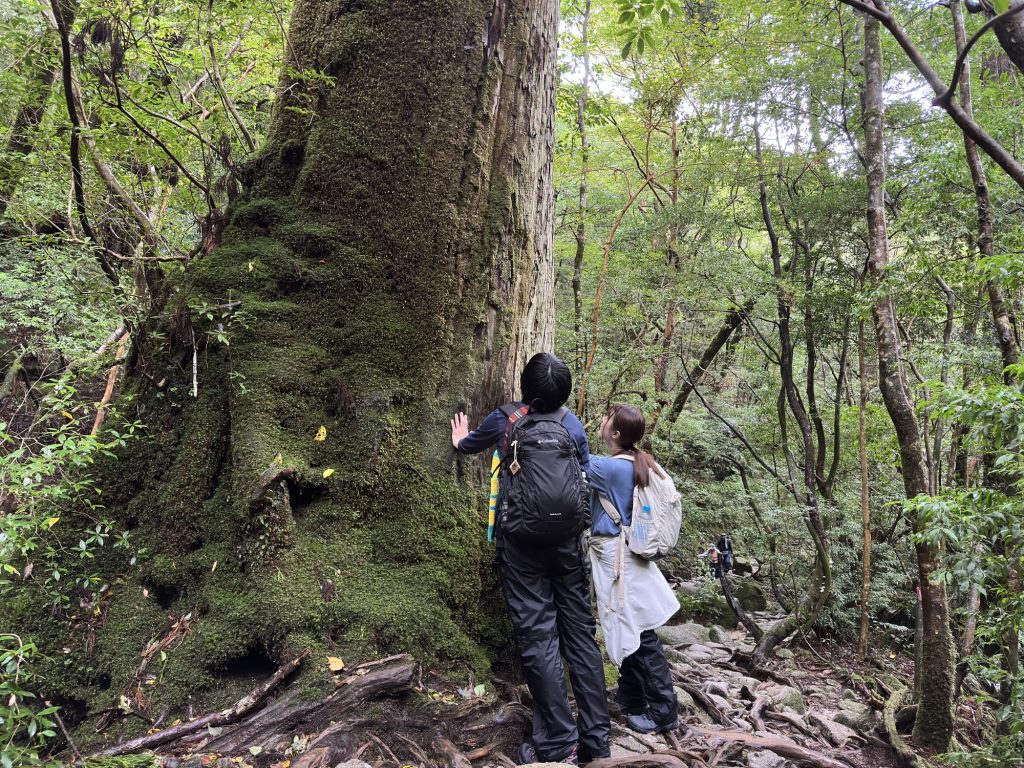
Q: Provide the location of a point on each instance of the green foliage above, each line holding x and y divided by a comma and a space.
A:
25, 722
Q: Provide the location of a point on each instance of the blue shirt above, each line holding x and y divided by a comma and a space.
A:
491, 431
614, 478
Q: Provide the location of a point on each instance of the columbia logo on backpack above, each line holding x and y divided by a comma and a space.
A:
544, 494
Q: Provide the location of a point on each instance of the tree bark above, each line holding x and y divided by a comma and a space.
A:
581, 224
392, 256
865, 499
934, 724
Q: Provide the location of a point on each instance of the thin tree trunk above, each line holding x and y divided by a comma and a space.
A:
733, 319
933, 727
581, 224
865, 498
820, 583
1011, 36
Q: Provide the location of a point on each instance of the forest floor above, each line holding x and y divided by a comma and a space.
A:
814, 705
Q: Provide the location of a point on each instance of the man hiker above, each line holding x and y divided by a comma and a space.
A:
724, 546
542, 511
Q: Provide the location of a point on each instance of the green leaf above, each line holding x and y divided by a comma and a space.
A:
627, 17
627, 48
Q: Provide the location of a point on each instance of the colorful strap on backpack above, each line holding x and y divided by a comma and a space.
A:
492, 504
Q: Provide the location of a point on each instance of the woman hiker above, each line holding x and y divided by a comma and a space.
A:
631, 606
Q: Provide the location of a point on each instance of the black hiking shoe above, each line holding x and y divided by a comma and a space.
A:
527, 753
645, 724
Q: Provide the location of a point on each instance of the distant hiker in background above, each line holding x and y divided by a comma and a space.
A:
724, 546
715, 560
633, 597
542, 510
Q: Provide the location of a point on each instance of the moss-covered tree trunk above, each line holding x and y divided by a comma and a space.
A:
391, 258
933, 726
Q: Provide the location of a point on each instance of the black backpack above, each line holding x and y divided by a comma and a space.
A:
544, 494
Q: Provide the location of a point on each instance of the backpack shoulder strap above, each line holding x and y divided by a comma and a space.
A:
609, 507
514, 414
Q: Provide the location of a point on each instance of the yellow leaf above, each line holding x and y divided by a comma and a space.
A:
67, 415
321, 434
250, 266
335, 664
213, 567
52, 521
328, 472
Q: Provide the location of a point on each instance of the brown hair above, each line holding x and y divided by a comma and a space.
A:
629, 422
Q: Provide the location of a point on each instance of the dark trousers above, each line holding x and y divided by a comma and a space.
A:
645, 681
548, 594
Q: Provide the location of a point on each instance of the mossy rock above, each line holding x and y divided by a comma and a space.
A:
750, 595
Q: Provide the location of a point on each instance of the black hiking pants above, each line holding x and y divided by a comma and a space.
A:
645, 682
548, 594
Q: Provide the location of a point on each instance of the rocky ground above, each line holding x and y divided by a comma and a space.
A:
807, 709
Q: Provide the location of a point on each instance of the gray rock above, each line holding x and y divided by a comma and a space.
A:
683, 634
837, 733
743, 566
685, 700
783, 653
750, 595
718, 635
785, 696
765, 759
853, 714
353, 764
849, 695
750, 683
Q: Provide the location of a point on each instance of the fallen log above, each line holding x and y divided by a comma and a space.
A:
367, 682
779, 746
232, 714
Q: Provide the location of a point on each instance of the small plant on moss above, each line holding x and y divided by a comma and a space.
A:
25, 727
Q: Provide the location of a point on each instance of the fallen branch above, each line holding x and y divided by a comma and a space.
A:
232, 714
783, 747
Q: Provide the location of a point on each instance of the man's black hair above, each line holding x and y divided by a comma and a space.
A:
545, 383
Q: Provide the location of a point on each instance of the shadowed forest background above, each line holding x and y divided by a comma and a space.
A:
253, 256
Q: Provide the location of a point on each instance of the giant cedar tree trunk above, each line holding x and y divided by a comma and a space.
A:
934, 724
392, 257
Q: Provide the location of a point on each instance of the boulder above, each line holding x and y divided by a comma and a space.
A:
853, 714
785, 696
683, 634
707, 608
765, 759
718, 634
750, 595
836, 733
783, 653
744, 566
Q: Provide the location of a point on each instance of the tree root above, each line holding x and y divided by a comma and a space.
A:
905, 753
779, 746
